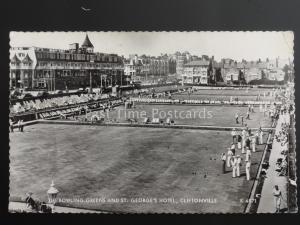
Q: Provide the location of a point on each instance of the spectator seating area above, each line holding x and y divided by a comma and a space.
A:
35, 105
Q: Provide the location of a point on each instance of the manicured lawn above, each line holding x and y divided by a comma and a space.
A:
223, 116
121, 162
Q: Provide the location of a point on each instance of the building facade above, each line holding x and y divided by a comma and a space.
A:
196, 72
55, 69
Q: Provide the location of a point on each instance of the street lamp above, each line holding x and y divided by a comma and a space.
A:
52, 195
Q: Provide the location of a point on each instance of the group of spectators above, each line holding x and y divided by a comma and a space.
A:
282, 136
35, 105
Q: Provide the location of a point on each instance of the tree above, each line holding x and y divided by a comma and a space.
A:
241, 77
263, 75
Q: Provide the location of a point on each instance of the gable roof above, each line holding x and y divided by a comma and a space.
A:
15, 59
27, 59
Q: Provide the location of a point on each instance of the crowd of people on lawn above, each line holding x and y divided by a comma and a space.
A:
244, 142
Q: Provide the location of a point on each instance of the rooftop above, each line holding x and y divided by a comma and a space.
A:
87, 43
198, 63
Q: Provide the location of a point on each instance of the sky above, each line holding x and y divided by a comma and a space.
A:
235, 45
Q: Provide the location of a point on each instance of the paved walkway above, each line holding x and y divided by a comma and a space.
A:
267, 202
21, 206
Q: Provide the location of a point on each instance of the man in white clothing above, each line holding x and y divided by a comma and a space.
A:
248, 163
253, 142
238, 164
233, 162
229, 156
243, 140
248, 168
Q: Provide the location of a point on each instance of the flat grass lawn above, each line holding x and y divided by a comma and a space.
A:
122, 162
234, 92
220, 97
223, 116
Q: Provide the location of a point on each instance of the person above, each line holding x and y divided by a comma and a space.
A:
248, 163
243, 140
233, 134
11, 125
248, 168
248, 115
253, 142
237, 118
272, 116
252, 108
229, 155
223, 158
248, 142
233, 162
261, 140
238, 164
21, 125
239, 140
277, 198
232, 148
242, 120
248, 154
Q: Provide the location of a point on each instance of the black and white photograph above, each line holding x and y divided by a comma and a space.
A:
152, 122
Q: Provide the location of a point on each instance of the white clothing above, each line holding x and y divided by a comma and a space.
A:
248, 167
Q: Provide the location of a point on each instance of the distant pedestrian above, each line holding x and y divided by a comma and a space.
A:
21, 126
277, 198
223, 158
233, 134
239, 141
248, 115
261, 140
242, 120
236, 118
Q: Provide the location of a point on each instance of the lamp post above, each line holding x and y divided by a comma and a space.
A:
52, 195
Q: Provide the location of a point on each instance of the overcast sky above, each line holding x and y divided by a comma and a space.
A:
235, 45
